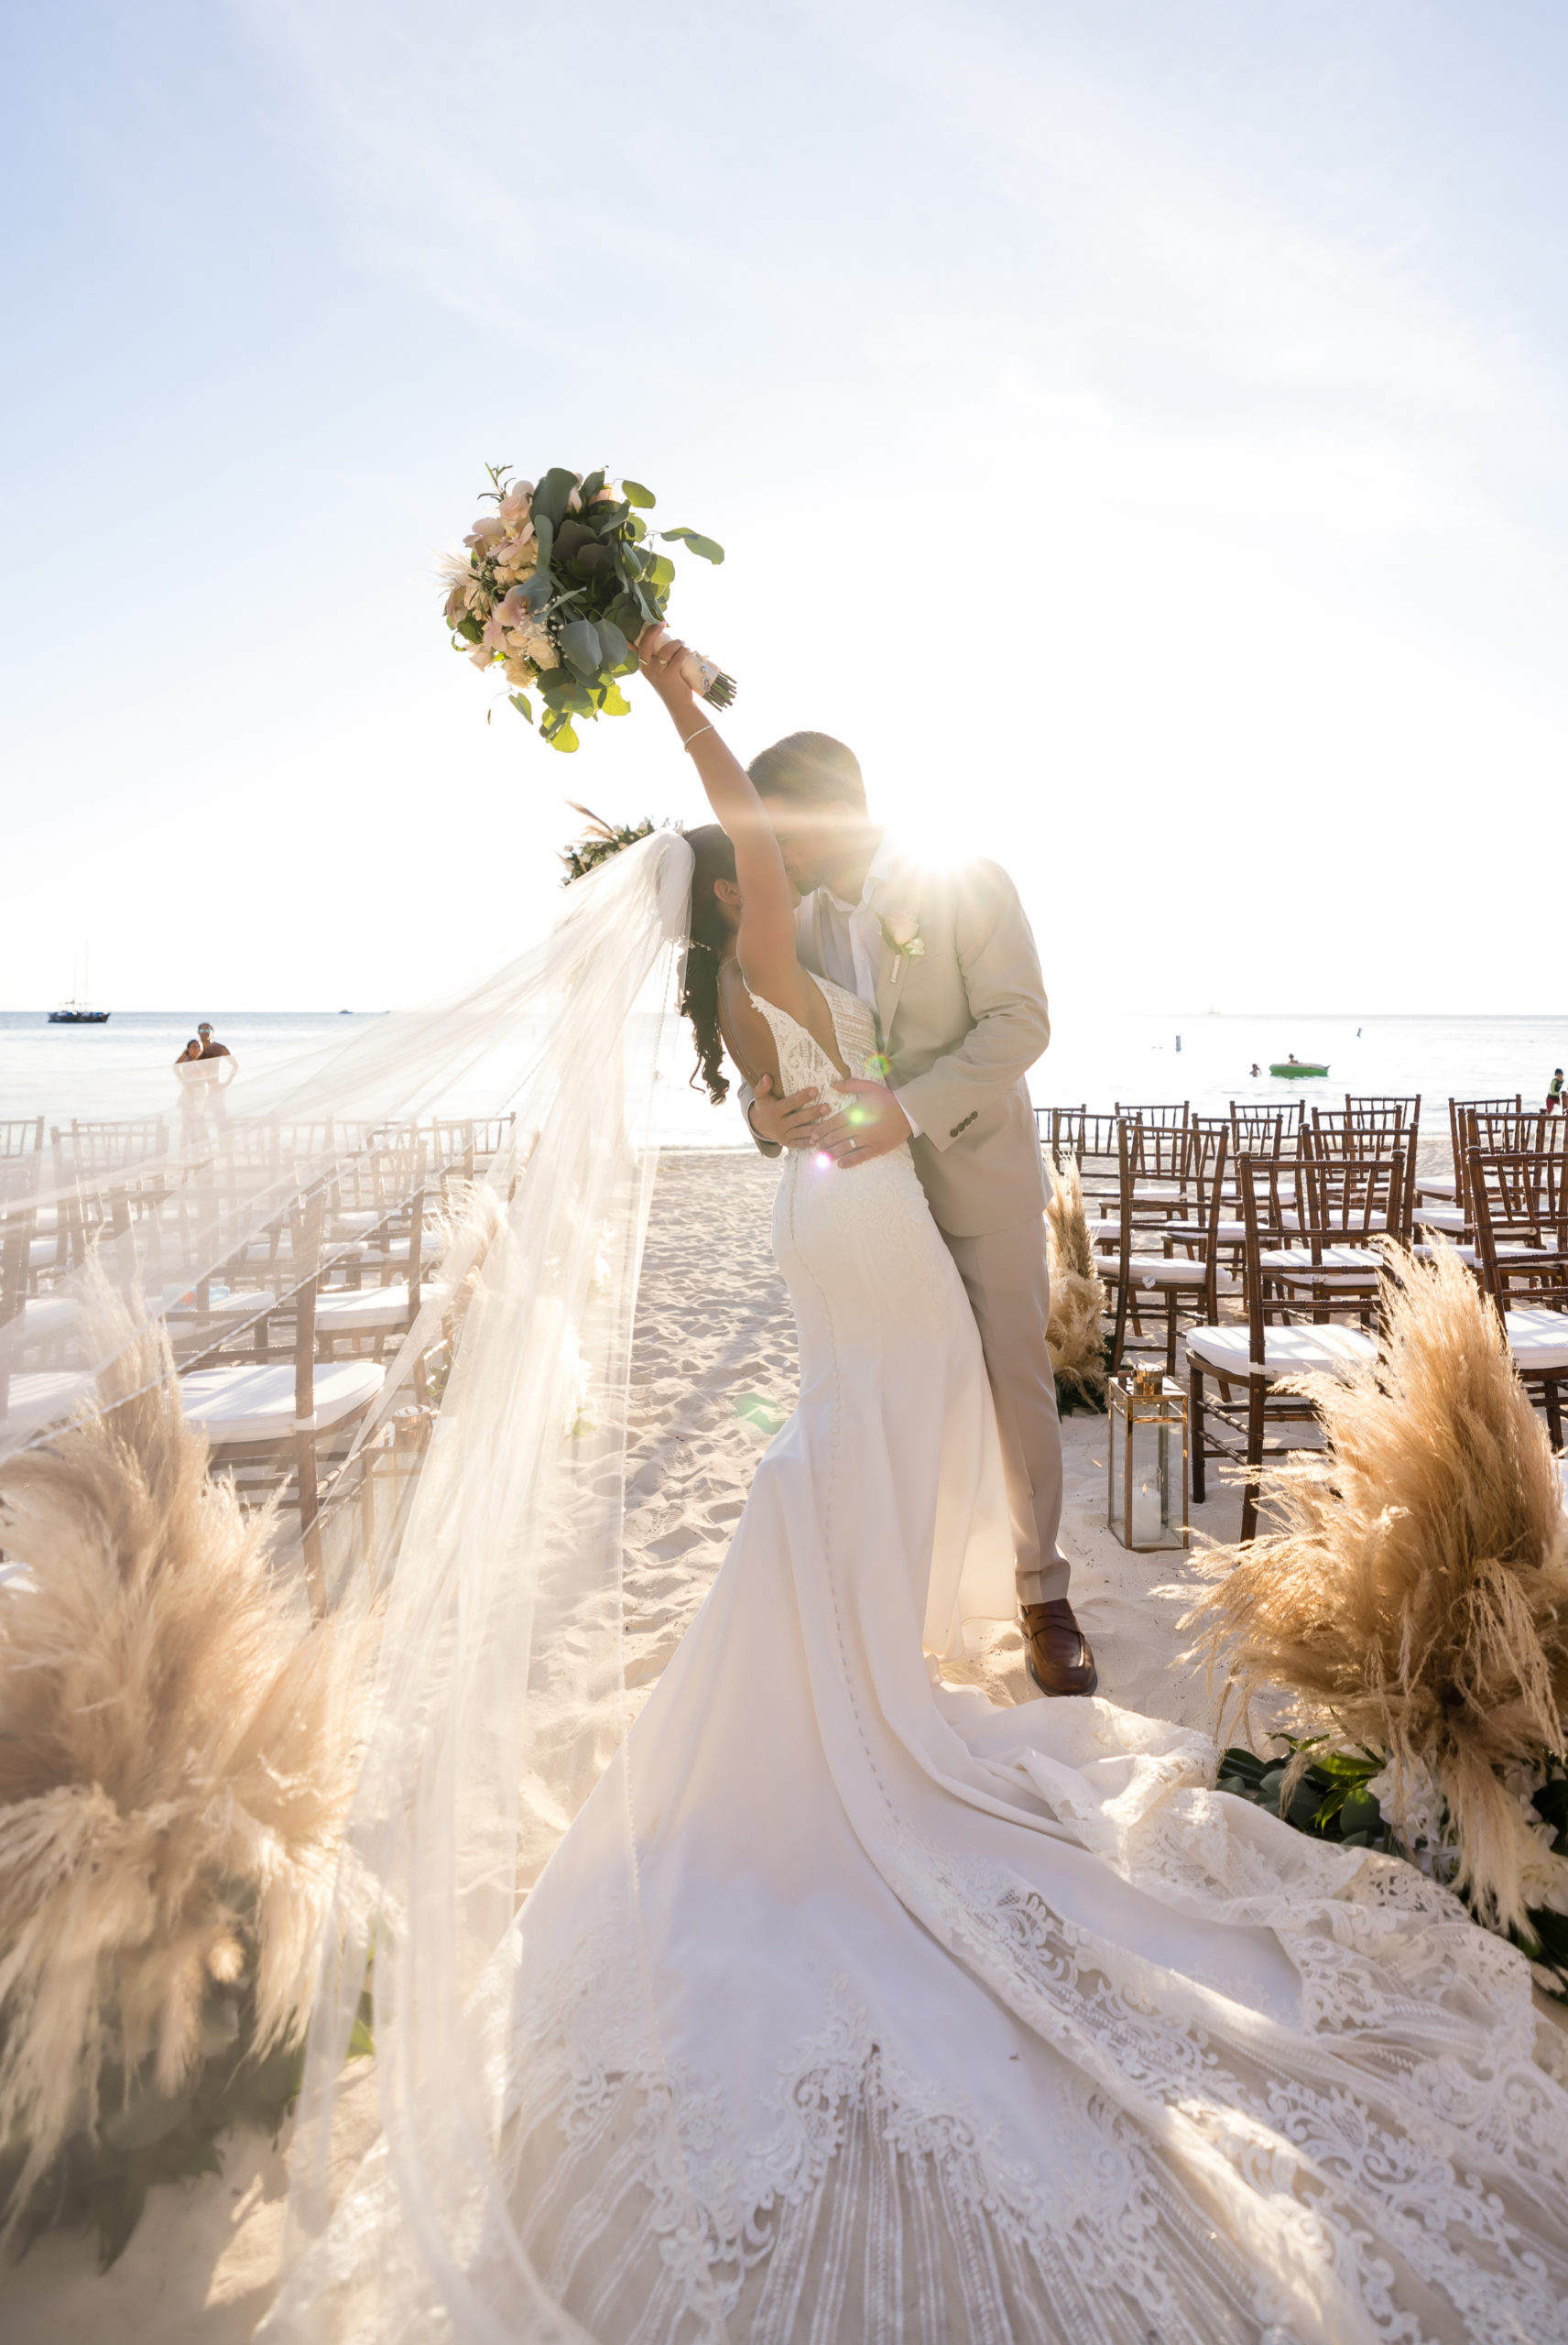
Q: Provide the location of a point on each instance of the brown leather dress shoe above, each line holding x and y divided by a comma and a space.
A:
1056, 1651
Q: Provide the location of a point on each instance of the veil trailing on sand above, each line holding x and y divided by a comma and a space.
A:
493, 1152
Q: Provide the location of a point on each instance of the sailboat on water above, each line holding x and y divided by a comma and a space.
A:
77, 1010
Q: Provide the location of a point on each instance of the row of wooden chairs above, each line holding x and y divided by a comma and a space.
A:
1314, 1297
1262, 1237
284, 1273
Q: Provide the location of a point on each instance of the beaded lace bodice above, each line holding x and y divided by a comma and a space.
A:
802, 1058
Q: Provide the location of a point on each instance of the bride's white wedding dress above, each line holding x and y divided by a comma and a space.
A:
852, 2009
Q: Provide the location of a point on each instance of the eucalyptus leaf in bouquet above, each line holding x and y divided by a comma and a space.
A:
554, 588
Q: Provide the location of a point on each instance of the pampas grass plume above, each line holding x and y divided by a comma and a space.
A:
177, 1748
1415, 1601
1076, 1334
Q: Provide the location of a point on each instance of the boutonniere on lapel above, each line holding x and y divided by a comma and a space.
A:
901, 935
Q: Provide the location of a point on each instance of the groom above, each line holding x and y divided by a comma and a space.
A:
949, 965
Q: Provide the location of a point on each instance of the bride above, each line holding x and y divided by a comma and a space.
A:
850, 2008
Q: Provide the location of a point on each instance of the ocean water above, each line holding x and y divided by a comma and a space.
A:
1097, 1062
127, 1067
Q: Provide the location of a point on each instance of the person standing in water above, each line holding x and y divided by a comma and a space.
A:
203, 1047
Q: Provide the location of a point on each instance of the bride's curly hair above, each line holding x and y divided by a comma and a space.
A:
709, 936
709, 942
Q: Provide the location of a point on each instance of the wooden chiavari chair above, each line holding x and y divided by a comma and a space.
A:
1165, 1261
1312, 1272
1520, 1204
270, 1410
21, 1135
1166, 1116
1440, 1201
1265, 1127
1060, 1127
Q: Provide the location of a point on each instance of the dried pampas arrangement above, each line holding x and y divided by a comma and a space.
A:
178, 1749
1075, 1337
1414, 1605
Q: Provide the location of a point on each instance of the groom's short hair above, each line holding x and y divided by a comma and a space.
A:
810, 769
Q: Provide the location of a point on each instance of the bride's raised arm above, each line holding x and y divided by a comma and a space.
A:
765, 944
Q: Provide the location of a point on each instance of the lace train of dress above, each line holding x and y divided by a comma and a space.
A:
851, 2009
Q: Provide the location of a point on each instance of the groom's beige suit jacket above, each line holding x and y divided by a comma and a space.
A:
960, 1025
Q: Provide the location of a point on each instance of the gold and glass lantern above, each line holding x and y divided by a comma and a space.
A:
1146, 1497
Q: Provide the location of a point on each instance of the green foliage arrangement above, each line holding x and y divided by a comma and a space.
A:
556, 587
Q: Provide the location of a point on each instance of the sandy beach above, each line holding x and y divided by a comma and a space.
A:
713, 1377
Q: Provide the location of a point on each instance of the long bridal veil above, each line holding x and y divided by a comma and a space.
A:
499, 1693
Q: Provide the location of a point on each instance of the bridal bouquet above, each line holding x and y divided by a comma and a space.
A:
556, 587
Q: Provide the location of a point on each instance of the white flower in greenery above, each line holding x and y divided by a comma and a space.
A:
608, 495
515, 506
1543, 1878
574, 500
479, 657
1412, 1803
495, 635
486, 532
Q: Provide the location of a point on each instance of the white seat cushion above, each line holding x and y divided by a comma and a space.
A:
1154, 1274
38, 1398
47, 1316
1447, 1218
242, 1303
1437, 1185
1537, 1340
1338, 1267
1288, 1351
1229, 1233
395, 1249
41, 1252
1471, 1255
251, 1403
366, 1310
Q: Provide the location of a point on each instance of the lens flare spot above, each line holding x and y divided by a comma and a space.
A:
822, 1161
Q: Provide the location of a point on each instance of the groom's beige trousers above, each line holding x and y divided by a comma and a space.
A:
1008, 1281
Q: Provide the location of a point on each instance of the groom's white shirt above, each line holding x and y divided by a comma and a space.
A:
849, 937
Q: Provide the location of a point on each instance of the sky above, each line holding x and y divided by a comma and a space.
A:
1136, 428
